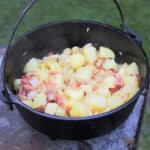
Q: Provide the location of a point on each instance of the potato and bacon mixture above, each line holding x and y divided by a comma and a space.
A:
78, 82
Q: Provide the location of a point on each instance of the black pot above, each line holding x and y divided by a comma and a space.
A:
55, 37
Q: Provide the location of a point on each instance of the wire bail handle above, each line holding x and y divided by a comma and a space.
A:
124, 26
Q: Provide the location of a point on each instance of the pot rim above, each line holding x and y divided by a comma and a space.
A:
16, 101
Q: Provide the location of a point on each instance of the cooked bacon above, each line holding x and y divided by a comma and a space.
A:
99, 64
50, 53
41, 109
119, 80
115, 89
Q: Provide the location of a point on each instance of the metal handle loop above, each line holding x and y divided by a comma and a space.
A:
26, 9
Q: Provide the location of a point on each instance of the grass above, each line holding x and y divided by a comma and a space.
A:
136, 13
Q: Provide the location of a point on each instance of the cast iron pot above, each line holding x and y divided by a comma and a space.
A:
55, 37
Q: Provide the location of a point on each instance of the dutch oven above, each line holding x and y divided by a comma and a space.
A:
55, 37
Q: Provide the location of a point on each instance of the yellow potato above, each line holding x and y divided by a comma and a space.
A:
67, 51
43, 75
131, 81
39, 100
79, 110
105, 52
90, 53
17, 83
109, 82
77, 61
133, 69
96, 103
28, 103
110, 64
55, 67
115, 101
86, 88
75, 49
123, 70
103, 90
84, 74
51, 108
59, 80
60, 112
31, 66
74, 94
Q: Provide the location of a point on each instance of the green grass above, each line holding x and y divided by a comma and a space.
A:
136, 13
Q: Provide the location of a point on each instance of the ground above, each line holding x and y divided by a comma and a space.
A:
136, 14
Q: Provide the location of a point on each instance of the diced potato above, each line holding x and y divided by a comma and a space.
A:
123, 69
77, 61
105, 52
39, 100
60, 112
64, 59
84, 74
90, 53
68, 72
67, 51
48, 59
43, 75
130, 80
109, 81
127, 92
74, 94
31, 65
28, 103
96, 103
51, 108
103, 90
55, 67
59, 80
115, 101
87, 88
110, 64
79, 110
75, 49
17, 83
133, 69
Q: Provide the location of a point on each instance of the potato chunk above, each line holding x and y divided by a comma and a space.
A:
79, 110
84, 74
110, 64
51, 108
77, 60
39, 100
96, 103
90, 53
74, 94
109, 81
31, 66
105, 52
55, 67
28, 103
17, 83
133, 69
115, 101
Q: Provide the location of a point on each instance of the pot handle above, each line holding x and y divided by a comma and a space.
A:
124, 26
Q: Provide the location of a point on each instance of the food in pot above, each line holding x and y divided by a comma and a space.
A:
78, 82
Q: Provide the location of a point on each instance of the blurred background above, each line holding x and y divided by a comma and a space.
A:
136, 13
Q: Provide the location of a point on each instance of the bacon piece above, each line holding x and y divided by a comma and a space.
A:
41, 109
99, 64
50, 54
119, 80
